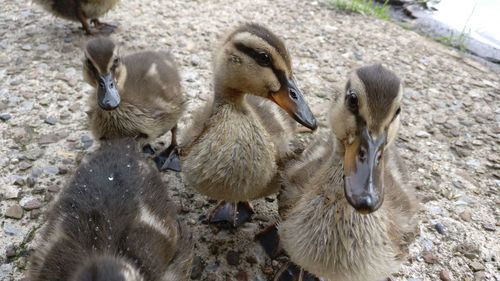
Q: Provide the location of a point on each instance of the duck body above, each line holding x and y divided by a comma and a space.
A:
136, 96
114, 221
238, 151
326, 236
151, 103
79, 10
347, 212
234, 159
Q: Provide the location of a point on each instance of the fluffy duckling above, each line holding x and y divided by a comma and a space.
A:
347, 213
138, 95
245, 138
82, 11
113, 222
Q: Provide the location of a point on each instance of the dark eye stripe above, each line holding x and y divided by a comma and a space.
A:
254, 54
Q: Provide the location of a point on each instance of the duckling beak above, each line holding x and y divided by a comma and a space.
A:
363, 169
291, 99
107, 94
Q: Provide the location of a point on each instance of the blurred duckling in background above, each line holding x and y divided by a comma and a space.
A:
347, 213
113, 222
82, 11
138, 95
245, 139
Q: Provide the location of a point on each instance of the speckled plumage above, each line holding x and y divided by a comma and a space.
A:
114, 219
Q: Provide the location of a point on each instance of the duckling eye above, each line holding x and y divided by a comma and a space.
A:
115, 63
397, 112
263, 59
352, 101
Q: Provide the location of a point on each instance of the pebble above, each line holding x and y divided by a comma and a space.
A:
10, 251
14, 212
430, 258
476, 266
444, 275
479, 276
48, 139
439, 228
233, 258
53, 188
10, 229
51, 120
23, 166
51, 170
489, 226
30, 203
197, 267
11, 194
5, 117
87, 141
423, 134
466, 215
241, 276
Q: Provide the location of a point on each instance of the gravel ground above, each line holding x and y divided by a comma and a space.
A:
449, 138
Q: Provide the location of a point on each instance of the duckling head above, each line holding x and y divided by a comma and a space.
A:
103, 70
253, 60
107, 269
365, 119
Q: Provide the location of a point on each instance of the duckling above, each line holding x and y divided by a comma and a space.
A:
138, 95
237, 154
346, 210
82, 11
114, 221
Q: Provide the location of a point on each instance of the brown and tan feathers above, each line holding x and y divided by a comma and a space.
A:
151, 98
67, 8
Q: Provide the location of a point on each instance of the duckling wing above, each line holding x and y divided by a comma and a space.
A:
299, 173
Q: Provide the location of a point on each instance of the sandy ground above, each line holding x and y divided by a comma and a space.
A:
449, 138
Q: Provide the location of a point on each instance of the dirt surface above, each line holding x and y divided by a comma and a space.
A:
449, 138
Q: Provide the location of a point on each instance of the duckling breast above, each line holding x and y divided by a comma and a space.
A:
233, 159
331, 240
97, 8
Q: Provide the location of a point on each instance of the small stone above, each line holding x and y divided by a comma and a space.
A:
35, 214
62, 170
469, 250
26, 47
29, 203
489, 226
87, 141
480, 276
10, 229
430, 258
11, 194
466, 215
5, 117
23, 166
51, 170
251, 259
444, 275
197, 267
19, 181
53, 188
51, 120
241, 276
10, 251
31, 181
423, 134
439, 228
476, 266
233, 258
268, 270
48, 139
14, 212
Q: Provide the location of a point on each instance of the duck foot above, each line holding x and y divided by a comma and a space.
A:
104, 28
292, 272
231, 215
148, 149
169, 159
270, 241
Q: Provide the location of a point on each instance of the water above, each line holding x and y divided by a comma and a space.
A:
479, 19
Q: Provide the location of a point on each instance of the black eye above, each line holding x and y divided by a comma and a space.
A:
352, 101
263, 59
397, 112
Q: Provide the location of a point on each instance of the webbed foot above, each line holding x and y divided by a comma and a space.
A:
270, 241
168, 159
148, 149
102, 27
291, 272
231, 215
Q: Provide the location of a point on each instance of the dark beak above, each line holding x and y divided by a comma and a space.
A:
107, 94
291, 99
363, 169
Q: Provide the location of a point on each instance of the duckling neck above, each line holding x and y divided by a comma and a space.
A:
228, 96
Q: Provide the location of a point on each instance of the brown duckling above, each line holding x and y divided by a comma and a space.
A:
347, 212
113, 222
238, 152
138, 95
82, 11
